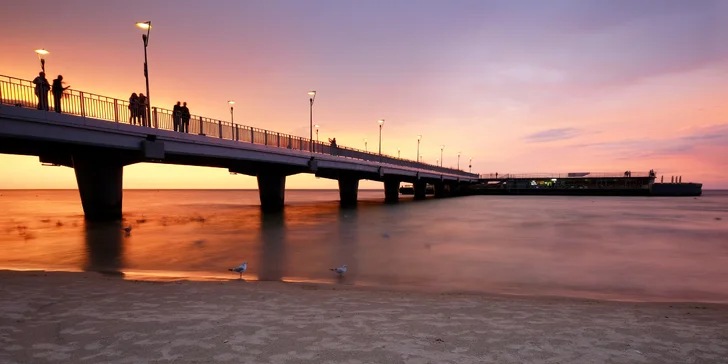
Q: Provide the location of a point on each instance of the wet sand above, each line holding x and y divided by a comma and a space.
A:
87, 317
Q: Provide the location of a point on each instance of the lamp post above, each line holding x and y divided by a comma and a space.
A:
381, 122
317, 128
437, 162
442, 147
312, 95
232, 118
365, 145
459, 160
42, 53
470, 166
418, 147
399, 153
147, 25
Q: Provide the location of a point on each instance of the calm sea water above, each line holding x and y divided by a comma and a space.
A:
605, 247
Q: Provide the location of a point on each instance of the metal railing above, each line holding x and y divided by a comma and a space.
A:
564, 175
19, 92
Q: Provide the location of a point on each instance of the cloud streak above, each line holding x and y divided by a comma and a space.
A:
552, 135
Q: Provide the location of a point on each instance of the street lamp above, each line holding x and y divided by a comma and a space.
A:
312, 95
42, 53
365, 145
381, 122
232, 119
317, 127
147, 25
442, 147
437, 162
459, 160
418, 147
399, 154
470, 166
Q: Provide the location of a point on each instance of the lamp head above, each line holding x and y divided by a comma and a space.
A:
42, 53
312, 93
144, 25
419, 137
381, 121
316, 126
231, 102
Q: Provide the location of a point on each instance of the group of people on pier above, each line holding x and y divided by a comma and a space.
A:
181, 117
138, 105
43, 87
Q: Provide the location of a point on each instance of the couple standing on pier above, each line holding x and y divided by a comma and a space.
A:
181, 117
42, 87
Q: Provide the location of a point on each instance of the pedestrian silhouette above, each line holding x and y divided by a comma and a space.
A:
133, 107
58, 93
142, 109
332, 141
177, 116
186, 118
42, 87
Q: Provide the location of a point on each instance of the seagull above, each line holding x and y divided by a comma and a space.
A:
240, 269
127, 229
341, 270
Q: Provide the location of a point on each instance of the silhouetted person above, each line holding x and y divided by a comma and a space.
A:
186, 118
496, 175
58, 92
177, 116
42, 87
333, 145
142, 108
133, 107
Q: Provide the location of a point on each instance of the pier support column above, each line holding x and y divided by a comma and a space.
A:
100, 186
348, 190
420, 190
272, 189
439, 190
391, 190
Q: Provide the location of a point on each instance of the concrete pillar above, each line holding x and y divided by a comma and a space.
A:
272, 188
439, 190
100, 186
348, 190
420, 188
391, 190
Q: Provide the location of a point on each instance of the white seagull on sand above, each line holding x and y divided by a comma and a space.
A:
341, 270
240, 269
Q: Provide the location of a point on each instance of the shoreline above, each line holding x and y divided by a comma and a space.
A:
154, 276
75, 317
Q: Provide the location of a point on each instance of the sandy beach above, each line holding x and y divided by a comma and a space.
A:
91, 318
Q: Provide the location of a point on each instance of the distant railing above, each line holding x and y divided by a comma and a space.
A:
565, 175
19, 92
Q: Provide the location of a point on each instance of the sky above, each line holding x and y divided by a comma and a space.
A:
518, 86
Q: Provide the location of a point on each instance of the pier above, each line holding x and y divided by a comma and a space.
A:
94, 136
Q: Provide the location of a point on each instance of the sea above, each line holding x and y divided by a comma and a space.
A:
617, 248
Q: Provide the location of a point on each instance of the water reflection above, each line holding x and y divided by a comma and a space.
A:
104, 247
348, 241
273, 246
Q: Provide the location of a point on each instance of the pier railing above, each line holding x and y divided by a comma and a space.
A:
564, 175
21, 93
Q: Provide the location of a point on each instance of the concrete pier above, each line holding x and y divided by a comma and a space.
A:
272, 189
100, 183
420, 189
391, 190
348, 190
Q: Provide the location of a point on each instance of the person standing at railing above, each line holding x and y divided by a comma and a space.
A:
133, 106
142, 109
333, 145
42, 87
177, 116
58, 93
186, 118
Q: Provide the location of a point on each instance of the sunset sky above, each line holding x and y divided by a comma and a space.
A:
519, 86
